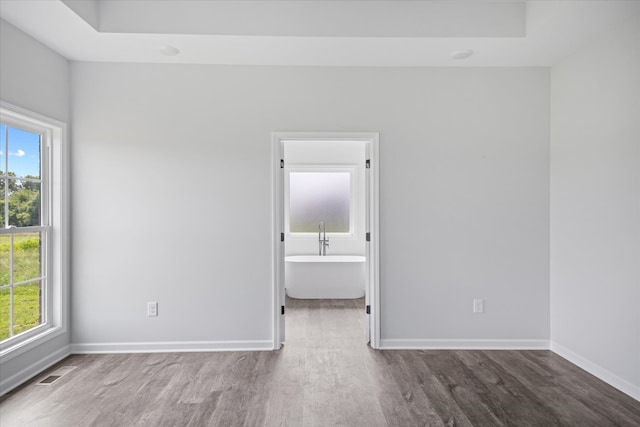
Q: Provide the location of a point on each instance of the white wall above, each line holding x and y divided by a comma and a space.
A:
595, 208
31, 75
172, 188
330, 153
36, 78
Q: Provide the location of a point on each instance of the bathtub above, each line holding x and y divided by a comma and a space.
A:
325, 277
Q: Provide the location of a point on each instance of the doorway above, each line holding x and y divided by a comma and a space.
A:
369, 232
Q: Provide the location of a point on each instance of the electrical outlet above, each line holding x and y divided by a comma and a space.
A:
152, 309
478, 306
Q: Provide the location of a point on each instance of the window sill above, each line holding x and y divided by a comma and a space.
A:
42, 334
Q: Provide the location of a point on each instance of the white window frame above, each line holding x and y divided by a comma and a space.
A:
54, 227
353, 207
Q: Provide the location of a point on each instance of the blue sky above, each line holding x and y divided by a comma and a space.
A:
23, 150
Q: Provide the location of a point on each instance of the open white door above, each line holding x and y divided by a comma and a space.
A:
282, 243
367, 294
278, 242
373, 261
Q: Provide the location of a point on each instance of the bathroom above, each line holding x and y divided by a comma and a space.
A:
325, 222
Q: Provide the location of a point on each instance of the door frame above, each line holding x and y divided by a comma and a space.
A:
277, 207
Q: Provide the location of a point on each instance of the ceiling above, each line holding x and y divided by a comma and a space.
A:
318, 33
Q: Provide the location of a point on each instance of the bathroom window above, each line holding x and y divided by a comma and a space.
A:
319, 195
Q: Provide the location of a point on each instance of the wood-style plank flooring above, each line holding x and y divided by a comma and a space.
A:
324, 376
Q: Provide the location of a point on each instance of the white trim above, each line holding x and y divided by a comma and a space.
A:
55, 173
37, 121
19, 378
277, 256
33, 338
471, 344
171, 347
597, 370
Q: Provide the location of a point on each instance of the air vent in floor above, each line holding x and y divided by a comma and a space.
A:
54, 376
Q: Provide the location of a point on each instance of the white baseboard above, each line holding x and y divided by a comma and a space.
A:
8, 384
597, 370
171, 347
433, 344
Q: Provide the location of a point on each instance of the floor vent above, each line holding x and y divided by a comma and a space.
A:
55, 375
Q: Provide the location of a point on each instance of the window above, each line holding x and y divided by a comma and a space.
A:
316, 195
22, 260
31, 227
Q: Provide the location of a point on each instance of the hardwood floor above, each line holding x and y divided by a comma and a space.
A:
324, 376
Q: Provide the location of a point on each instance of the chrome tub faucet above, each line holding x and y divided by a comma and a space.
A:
323, 242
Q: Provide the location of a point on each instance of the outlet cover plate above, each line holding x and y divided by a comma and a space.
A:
478, 306
152, 309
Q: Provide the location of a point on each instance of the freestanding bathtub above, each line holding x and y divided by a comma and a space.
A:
325, 277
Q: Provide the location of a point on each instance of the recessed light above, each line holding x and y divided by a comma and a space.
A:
168, 50
461, 54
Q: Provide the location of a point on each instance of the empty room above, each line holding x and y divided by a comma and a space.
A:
319, 213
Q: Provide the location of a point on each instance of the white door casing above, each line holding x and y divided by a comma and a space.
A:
372, 290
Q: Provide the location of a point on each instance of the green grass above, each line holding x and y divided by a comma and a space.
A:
26, 298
